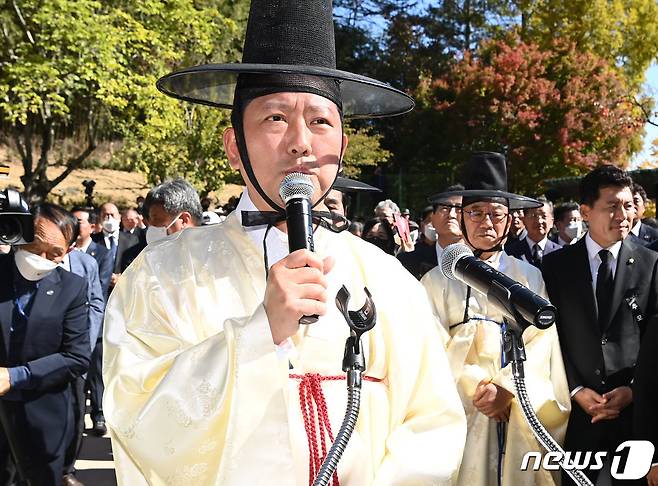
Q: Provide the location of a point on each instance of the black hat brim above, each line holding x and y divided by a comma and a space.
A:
516, 201
214, 85
345, 184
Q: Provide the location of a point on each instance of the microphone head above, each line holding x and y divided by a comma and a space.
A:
450, 256
296, 185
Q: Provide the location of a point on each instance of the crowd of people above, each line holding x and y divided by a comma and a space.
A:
581, 387
190, 333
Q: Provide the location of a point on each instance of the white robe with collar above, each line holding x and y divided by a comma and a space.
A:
474, 352
196, 393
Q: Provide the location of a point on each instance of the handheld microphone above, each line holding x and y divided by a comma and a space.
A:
514, 300
296, 190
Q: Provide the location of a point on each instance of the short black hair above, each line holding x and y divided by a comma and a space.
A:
564, 208
638, 189
93, 215
65, 221
602, 176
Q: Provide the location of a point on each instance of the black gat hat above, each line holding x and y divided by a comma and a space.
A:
484, 176
289, 46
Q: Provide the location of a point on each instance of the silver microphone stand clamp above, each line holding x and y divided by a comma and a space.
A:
354, 364
514, 353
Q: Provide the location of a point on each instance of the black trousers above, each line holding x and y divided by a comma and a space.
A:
583, 436
41, 429
78, 405
95, 379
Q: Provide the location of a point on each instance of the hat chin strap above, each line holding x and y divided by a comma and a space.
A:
496, 248
246, 163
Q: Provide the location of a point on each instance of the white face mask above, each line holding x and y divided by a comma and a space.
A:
430, 232
33, 267
156, 233
110, 224
574, 229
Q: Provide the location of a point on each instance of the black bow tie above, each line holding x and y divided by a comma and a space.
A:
327, 219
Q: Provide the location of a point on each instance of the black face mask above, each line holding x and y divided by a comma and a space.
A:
380, 242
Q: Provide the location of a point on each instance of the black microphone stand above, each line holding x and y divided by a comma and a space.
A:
354, 363
514, 353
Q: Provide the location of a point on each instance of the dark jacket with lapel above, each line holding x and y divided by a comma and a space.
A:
56, 347
421, 260
645, 388
105, 265
520, 249
647, 233
126, 241
601, 360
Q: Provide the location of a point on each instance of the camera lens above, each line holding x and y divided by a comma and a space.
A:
10, 230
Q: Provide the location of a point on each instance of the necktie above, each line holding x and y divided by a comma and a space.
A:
604, 288
537, 255
113, 247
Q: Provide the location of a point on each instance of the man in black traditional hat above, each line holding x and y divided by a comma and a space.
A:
209, 377
495, 420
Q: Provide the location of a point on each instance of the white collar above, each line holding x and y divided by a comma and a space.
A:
66, 263
532, 243
85, 247
636, 229
114, 235
593, 248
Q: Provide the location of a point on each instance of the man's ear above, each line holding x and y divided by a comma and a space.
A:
186, 218
584, 211
231, 148
346, 140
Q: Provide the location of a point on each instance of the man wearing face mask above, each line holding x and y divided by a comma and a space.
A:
171, 207
44, 322
115, 240
495, 421
569, 224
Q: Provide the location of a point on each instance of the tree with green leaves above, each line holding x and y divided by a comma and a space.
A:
84, 70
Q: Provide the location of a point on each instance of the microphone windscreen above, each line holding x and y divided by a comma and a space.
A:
450, 256
296, 185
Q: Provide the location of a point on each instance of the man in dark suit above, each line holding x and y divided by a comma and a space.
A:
442, 229
536, 245
605, 288
45, 346
112, 238
85, 243
645, 395
643, 231
117, 243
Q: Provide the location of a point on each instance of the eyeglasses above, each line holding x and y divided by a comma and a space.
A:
537, 216
447, 208
477, 215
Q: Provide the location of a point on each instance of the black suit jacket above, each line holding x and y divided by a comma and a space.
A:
421, 260
601, 360
647, 233
645, 388
56, 350
520, 249
126, 241
105, 265
56, 347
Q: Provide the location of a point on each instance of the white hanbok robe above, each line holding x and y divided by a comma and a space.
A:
474, 352
196, 393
